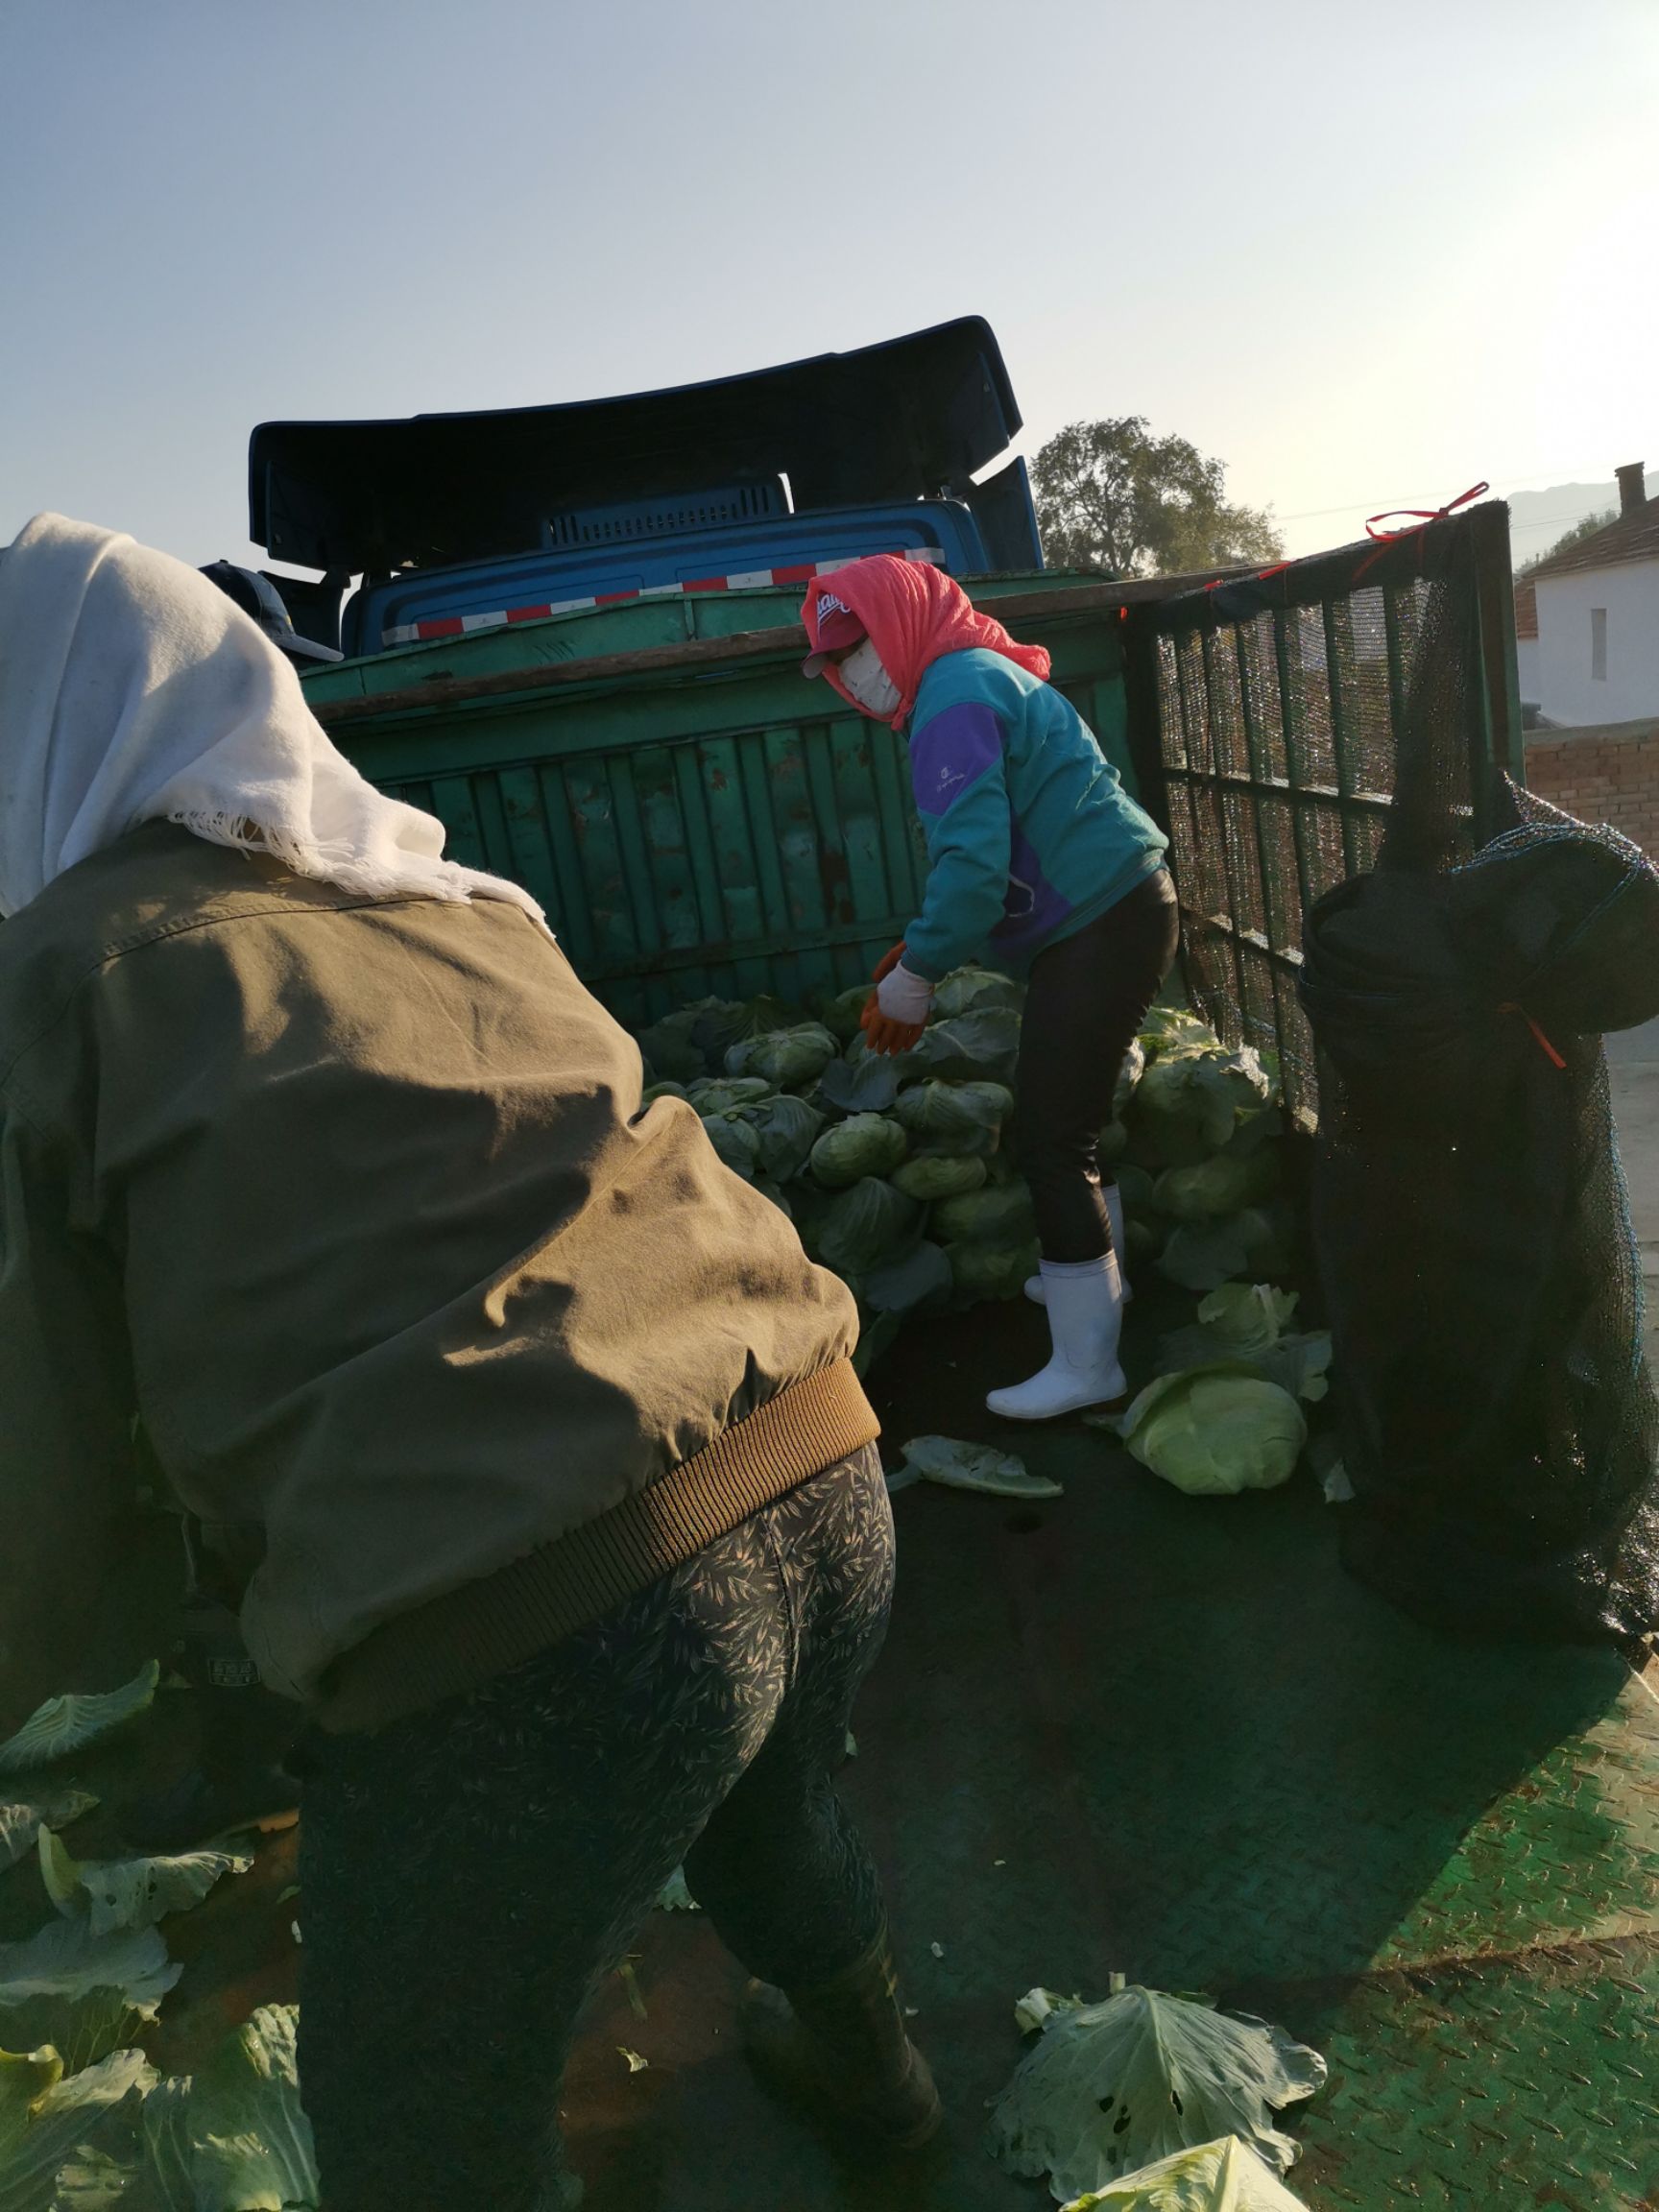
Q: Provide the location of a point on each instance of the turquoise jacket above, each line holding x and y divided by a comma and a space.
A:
1030, 833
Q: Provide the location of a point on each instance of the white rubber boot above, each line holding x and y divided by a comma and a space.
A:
1084, 1315
1114, 1198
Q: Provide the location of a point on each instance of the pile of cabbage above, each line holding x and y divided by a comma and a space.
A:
900, 1173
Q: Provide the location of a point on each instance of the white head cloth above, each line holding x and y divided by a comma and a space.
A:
131, 689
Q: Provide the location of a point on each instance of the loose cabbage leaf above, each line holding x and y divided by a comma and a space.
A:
1112, 2087
934, 1175
864, 1144
46, 2120
250, 2142
80, 1992
973, 990
21, 1824
676, 1895
1215, 1431
921, 1279
963, 1466
114, 1894
785, 1057
72, 1722
1220, 2176
868, 1085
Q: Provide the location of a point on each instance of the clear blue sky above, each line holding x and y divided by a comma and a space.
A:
1362, 253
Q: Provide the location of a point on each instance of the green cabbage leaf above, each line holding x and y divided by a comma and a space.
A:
1112, 2088
1220, 2177
73, 1722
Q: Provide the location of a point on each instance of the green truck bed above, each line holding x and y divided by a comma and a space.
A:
1127, 1732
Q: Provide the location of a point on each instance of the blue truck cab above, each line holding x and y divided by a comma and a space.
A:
452, 523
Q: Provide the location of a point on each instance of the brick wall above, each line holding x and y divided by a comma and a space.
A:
1609, 775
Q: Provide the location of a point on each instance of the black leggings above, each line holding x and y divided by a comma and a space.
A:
1088, 996
469, 1873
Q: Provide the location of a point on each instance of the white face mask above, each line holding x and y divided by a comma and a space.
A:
869, 683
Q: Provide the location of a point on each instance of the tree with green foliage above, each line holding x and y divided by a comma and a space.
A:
1111, 495
1587, 526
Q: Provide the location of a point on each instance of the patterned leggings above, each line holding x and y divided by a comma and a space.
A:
469, 1873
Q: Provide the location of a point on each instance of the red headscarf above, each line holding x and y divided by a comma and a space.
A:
913, 614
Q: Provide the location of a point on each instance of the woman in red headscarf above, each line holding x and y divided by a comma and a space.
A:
1039, 861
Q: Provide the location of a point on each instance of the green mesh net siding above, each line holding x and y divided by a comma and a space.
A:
1281, 706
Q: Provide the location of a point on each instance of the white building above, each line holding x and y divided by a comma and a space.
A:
1598, 644
1526, 640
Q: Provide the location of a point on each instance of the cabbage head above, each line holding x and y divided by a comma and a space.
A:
1188, 1104
934, 1175
1111, 1144
738, 1146
982, 1045
1174, 1029
1136, 1187
863, 1144
998, 1215
1128, 1075
841, 1013
787, 1058
655, 1090
670, 1050
1213, 1431
723, 1096
972, 990
992, 1270
1252, 1322
867, 1227
787, 1129
1226, 1183
954, 1116
1252, 1246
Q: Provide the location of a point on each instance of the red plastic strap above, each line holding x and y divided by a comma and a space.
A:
1421, 517
1510, 1007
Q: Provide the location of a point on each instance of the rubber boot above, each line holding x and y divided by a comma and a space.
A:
843, 2047
1085, 1317
1114, 1198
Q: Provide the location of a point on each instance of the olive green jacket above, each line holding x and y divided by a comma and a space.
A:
356, 1206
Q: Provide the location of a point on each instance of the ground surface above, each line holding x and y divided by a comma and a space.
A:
1167, 1737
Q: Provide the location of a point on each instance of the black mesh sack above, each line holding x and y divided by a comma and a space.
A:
1470, 1215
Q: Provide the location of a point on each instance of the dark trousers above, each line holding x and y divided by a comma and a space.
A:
1088, 996
469, 1873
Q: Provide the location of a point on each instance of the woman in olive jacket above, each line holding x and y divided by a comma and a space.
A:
573, 1541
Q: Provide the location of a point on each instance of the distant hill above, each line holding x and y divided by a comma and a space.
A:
1537, 519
